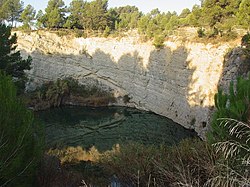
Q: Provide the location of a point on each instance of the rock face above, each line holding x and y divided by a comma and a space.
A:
178, 82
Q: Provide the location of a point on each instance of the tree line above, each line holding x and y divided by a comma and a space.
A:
218, 17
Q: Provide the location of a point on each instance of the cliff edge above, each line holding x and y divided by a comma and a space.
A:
178, 82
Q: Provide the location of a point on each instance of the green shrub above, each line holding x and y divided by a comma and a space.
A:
79, 33
245, 41
230, 135
20, 138
234, 105
106, 32
53, 94
85, 91
63, 32
230, 35
233, 169
201, 32
159, 41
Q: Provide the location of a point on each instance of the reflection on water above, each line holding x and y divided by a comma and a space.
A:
81, 135
105, 127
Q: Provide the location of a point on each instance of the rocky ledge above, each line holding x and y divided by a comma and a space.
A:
178, 81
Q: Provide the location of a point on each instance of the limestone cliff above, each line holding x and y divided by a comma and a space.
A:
178, 82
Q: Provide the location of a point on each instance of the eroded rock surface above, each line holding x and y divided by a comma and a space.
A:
178, 82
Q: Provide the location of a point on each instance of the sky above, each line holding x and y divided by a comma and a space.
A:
144, 5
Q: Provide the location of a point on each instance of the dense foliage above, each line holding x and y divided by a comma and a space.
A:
234, 105
27, 16
11, 61
20, 143
215, 17
234, 167
59, 92
20, 137
10, 10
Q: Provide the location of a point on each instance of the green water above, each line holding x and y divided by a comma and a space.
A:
104, 127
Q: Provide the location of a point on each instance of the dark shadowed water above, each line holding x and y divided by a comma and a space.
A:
104, 127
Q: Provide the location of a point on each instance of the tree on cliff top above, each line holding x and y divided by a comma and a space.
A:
11, 61
218, 14
76, 11
11, 10
54, 14
95, 15
27, 16
244, 14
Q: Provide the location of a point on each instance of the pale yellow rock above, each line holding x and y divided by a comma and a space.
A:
178, 82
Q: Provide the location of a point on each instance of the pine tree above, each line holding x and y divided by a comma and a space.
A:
96, 15
76, 10
244, 14
185, 12
113, 17
194, 19
218, 14
54, 14
128, 17
11, 61
40, 19
12, 10
20, 138
234, 105
27, 16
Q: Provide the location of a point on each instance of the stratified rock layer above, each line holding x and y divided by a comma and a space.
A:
178, 82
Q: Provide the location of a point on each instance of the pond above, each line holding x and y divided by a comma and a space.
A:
71, 130
104, 127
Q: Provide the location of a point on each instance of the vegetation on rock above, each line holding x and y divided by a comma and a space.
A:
224, 161
61, 92
10, 10
27, 16
217, 17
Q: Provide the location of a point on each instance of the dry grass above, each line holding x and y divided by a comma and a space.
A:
234, 168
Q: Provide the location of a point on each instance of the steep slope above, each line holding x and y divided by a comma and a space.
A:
178, 82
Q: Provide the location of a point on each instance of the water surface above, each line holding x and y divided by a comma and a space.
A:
104, 127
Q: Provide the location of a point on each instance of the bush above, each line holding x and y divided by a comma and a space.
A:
234, 105
201, 32
245, 41
230, 35
106, 32
159, 41
54, 94
230, 135
190, 163
133, 164
79, 33
20, 138
234, 167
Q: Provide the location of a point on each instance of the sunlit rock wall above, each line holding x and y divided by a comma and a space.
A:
178, 82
